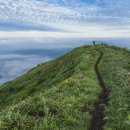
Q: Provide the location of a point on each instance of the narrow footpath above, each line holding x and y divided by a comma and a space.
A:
97, 122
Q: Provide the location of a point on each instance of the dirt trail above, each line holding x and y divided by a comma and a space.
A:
97, 115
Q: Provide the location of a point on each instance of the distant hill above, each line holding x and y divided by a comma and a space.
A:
84, 89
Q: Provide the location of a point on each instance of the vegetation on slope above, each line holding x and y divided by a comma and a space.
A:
53, 95
115, 70
61, 94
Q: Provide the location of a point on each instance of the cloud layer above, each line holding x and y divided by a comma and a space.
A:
14, 65
91, 18
17, 56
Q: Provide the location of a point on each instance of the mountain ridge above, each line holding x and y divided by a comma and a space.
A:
61, 94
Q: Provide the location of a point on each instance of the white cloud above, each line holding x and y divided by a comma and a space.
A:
32, 11
13, 65
104, 18
75, 32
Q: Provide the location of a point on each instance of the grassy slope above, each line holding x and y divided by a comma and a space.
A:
115, 68
60, 94
53, 95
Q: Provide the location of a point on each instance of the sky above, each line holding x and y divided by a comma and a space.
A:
64, 18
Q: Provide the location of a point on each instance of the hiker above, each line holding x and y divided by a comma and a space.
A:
94, 42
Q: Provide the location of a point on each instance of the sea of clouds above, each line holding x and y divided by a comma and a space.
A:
17, 56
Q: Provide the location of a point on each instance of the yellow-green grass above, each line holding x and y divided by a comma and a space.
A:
115, 70
61, 94
53, 95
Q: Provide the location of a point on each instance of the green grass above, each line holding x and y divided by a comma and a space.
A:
115, 70
61, 94
53, 95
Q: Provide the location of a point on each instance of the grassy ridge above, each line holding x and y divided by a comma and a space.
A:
61, 96
39, 78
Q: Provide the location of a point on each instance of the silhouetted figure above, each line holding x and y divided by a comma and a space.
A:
94, 43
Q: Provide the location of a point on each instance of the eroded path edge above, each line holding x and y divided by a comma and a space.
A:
97, 122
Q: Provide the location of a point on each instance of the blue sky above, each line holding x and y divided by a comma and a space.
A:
64, 18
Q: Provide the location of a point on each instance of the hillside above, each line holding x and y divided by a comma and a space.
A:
86, 89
